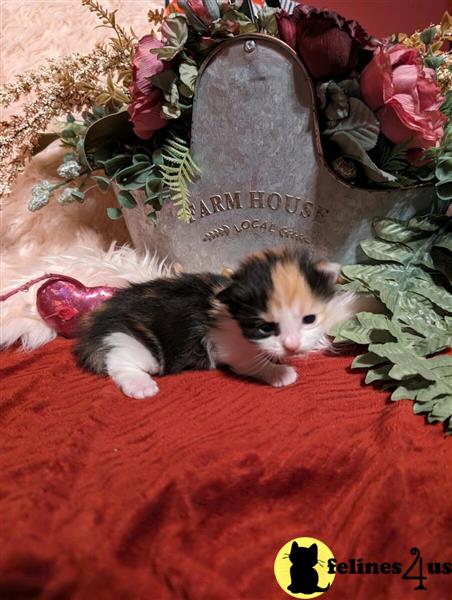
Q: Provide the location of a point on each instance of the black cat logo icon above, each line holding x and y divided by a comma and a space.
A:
301, 568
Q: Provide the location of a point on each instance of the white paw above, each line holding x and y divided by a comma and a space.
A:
138, 386
282, 375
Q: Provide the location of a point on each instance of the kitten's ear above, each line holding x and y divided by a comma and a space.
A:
226, 296
313, 549
294, 546
332, 270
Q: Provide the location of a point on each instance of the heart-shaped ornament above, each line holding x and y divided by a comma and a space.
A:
62, 301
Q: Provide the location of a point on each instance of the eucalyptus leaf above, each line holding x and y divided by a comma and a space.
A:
444, 190
157, 157
110, 128
443, 169
117, 163
131, 170
114, 213
126, 199
153, 185
78, 195
140, 158
102, 182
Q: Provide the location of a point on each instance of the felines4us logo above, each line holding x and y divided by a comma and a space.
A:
306, 568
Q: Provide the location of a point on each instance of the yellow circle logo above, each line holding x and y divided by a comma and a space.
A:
301, 568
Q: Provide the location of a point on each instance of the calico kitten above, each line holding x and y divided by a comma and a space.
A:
277, 304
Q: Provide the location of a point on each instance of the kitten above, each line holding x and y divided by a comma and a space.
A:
277, 304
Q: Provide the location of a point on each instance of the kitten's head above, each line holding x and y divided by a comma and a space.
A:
284, 303
307, 557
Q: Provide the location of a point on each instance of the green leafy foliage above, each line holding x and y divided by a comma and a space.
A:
391, 157
176, 34
241, 21
404, 343
267, 21
179, 170
361, 124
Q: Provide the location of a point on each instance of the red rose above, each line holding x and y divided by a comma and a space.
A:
147, 100
330, 46
405, 95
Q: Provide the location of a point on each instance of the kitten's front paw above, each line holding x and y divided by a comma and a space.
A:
282, 375
138, 386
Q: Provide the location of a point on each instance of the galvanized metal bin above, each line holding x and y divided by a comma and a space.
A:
264, 180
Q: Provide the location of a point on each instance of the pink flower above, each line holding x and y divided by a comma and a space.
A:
405, 95
147, 100
330, 46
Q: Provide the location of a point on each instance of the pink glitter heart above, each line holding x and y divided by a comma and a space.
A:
62, 301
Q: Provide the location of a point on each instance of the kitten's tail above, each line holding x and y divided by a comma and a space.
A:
89, 351
319, 589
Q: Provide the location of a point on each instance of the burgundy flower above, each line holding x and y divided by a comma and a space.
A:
330, 46
287, 26
147, 100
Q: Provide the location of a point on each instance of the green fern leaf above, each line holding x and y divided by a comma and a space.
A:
417, 324
178, 171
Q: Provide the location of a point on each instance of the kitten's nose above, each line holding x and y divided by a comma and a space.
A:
290, 344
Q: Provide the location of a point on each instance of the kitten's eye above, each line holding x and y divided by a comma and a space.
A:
308, 319
267, 328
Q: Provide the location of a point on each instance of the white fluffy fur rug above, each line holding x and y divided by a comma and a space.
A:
117, 267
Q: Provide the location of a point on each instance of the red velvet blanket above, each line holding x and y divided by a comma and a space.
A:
191, 494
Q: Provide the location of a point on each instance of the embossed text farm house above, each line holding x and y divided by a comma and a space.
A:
255, 199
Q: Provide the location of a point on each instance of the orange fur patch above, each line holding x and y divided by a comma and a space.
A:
290, 288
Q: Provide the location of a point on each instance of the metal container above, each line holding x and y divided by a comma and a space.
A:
264, 179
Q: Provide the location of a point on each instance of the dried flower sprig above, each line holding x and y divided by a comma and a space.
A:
156, 19
123, 44
431, 40
431, 45
64, 85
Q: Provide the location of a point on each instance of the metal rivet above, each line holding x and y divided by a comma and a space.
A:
249, 46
